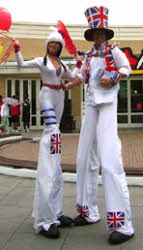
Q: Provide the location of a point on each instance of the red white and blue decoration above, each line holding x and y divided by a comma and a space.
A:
115, 219
97, 18
55, 144
83, 210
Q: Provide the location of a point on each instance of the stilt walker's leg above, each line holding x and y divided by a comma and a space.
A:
114, 181
49, 177
84, 178
92, 185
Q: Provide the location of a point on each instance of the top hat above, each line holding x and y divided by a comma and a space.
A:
98, 20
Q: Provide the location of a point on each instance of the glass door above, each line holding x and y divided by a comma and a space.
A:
130, 103
22, 88
123, 104
136, 102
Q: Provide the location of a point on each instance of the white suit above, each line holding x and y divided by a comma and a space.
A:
99, 141
48, 201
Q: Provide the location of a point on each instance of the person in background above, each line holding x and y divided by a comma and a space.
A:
26, 114
48, 199
102, 68
15, 114
5, 118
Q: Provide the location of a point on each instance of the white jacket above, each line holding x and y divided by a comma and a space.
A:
95, 93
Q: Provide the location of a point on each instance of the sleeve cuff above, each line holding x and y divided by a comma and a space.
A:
125, 71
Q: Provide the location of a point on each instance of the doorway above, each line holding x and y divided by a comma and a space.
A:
30, 87
130, 103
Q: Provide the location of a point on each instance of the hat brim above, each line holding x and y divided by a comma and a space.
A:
88, 34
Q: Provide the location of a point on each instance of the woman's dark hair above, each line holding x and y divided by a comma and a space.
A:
58, 55
63, 66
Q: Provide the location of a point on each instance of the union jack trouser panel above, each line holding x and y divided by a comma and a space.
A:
55, 144
115, 219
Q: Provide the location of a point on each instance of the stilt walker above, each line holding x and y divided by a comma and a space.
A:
102, 68
48, 200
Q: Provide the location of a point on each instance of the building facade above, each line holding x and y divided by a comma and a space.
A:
20, 81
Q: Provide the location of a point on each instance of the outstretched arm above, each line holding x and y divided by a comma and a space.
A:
29, 64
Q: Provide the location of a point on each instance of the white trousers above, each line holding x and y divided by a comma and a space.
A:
48, 200
99, 140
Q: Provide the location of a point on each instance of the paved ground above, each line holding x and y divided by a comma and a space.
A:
16, 223
16, 201
25, 153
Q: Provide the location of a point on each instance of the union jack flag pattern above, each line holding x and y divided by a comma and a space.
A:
83, 210
110, 65
115, 219
55, 144
97, 17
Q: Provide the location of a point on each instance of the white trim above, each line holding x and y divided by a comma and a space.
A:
11, 138
42, 30
15, 70
12, 68
68, 177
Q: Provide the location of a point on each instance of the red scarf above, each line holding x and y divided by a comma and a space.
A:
109, 60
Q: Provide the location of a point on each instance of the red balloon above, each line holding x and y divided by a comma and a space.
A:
5, 19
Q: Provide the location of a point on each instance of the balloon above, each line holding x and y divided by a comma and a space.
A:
5, 19
1, 49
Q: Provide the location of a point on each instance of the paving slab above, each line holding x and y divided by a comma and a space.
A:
16, 222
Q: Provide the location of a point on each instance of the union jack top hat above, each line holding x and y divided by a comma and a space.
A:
97, 18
